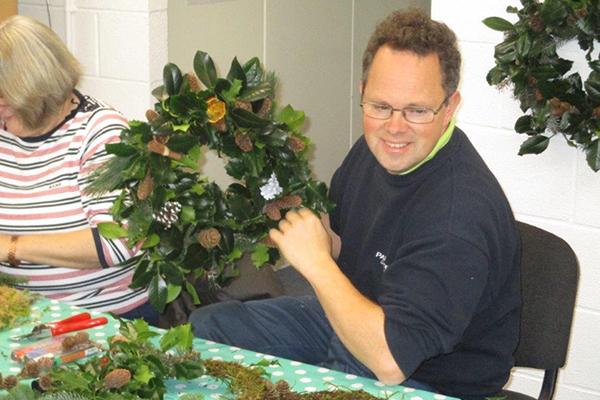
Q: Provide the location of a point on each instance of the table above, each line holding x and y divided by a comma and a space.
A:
301, 377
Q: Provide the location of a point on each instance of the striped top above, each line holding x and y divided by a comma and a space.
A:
42, 184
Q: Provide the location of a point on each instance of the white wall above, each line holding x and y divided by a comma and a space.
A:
121, 44
556, 190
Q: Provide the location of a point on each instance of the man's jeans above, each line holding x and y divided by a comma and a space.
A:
295, 328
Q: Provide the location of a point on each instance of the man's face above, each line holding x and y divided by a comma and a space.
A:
400, 79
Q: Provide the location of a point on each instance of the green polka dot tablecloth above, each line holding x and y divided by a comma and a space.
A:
301, 377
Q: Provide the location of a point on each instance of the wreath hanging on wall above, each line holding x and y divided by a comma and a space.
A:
184, 224
554, 100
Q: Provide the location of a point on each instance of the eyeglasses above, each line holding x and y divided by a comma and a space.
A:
413, 114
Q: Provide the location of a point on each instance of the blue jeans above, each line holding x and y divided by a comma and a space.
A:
289, 327
146, 311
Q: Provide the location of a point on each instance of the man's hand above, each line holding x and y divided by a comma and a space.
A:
303, 241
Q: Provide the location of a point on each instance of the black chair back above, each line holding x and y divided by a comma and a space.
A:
549, 278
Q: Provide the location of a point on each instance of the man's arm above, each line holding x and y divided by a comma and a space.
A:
70, 249
359, 322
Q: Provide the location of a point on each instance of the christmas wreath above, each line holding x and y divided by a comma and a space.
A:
185, 225
553, 102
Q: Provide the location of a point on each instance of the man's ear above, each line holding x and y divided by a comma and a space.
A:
453, 102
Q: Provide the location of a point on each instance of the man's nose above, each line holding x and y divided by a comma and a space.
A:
397, 123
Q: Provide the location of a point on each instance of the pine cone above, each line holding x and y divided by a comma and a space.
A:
596, 112
31, 369
559, 107
244, 105
265, 108
117, 378
221, 125
296, 144
45, 363
209, 238
145, 187
243, 141
282, 387
272, 211
151, 115
290, 201
9, 382
45, 382
193, 82
168, 214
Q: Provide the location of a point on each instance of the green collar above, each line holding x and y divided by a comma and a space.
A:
442, 141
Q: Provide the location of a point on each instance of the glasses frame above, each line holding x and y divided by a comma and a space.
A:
403, 110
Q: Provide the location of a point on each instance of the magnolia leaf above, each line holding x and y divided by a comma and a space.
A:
160, 93
173, 292
204, 67
498, 24
111, 230
254, 72
172, 78
593, 155
258, 92
247, 119
260, 255
236, 72
592, 87
143, 374
292, 118
524, 124
534, 145
158, 293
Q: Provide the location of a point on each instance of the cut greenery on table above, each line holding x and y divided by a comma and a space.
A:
185, 224
555, 99
133, 367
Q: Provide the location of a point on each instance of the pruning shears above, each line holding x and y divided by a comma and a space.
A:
76, 322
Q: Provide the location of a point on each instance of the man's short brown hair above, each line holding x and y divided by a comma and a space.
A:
414, 31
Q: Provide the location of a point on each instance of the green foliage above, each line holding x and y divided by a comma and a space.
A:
553, 99
157, 164
148, 365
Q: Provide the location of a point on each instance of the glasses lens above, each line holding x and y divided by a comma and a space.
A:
418, 115
377, 111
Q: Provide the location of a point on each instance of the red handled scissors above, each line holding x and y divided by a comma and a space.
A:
76, 322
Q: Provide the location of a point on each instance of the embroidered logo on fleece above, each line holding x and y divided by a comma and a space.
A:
381, 257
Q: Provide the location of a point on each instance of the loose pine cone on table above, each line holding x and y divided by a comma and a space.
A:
117, 378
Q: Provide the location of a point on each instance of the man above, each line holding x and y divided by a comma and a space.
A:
416, 272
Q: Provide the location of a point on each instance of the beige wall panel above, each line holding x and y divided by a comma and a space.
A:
367, 14
308, 45
223, 30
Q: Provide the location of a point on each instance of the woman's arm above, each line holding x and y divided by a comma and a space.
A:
70, 249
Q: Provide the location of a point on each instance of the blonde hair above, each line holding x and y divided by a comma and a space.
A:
37, 71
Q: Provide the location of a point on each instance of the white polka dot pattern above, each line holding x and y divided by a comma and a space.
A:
301, 377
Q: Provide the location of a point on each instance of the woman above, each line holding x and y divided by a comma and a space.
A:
51, 138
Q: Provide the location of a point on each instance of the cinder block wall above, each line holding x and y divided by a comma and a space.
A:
556, 190
121, 44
